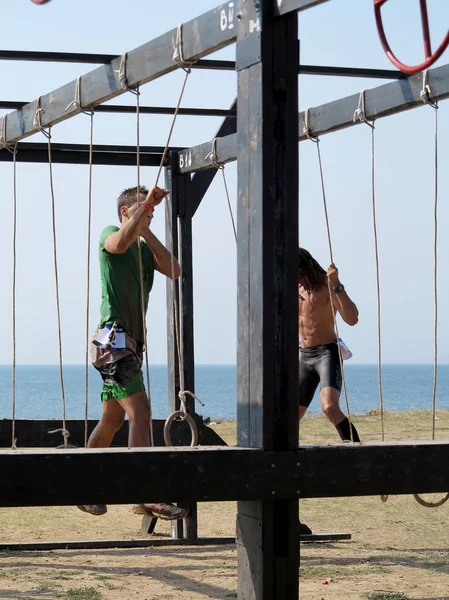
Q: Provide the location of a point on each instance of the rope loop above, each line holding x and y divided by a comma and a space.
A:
65, 435
76, 103
37, 121
213, 155
3, 143
359, 113
123, 76
306, 128
178, 51
183, 416
426, 92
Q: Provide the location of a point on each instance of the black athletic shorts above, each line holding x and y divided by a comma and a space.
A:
318, 365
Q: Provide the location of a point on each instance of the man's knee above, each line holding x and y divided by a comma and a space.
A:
112, 420
138, 408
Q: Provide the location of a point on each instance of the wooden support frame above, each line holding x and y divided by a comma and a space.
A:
267, 304
382, 101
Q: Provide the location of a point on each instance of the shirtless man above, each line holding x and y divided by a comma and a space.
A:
319, 361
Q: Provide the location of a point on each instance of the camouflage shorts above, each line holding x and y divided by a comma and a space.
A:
121, 370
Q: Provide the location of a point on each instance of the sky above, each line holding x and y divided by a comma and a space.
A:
337, 33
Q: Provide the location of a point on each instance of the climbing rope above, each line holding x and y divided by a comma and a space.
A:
219, 166
39, 112
360, 115
426, 97
316, 140
178, 57
13, 149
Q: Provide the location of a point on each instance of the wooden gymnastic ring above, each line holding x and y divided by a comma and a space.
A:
419, 500
184, 417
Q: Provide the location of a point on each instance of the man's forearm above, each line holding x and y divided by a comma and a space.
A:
129, 231
346, 307
166, 262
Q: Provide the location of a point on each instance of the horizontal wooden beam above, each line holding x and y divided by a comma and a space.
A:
103, 544
68, 157
373, 469
35, 433
201, 36
52, 478
382, 101
282, 7
200, 157
46, 478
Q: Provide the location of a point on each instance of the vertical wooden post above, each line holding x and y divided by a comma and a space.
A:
267, 412
181, 227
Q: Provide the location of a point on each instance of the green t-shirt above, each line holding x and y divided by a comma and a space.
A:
120, 285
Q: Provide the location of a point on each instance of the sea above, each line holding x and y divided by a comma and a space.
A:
38, 390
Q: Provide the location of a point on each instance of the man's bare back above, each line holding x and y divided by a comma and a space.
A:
316, 322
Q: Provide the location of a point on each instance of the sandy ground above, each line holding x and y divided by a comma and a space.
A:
399, 550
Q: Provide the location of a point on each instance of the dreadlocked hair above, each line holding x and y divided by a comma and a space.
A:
311, 274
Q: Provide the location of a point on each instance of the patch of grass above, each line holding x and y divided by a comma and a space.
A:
103, 577
83, 593
14, 572
111, 586
326, 572
386, 596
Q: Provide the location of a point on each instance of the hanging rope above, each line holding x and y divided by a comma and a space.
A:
360, 115
213, 156
13, 149
426, 97
123, 79
178, 57
316, 140
38, 123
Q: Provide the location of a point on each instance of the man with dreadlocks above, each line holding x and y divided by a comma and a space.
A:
319, 361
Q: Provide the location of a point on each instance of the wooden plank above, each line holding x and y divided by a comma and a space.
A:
382, 101
34, 433
282, 7
267, 415
103, 544
134, 476
325, 537
201, 36
130, 476
368, 469
199, 157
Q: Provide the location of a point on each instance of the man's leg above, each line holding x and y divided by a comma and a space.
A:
330, 405
137, 408
111, 420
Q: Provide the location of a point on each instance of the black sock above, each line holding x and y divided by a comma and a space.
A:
345, 432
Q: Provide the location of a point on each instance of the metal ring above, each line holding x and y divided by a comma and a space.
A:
184, 417
430, 58
419, 500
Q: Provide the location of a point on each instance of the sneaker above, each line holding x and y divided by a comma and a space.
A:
168, 512
94, 509
304, 529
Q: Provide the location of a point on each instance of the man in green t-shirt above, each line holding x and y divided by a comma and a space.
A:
129, 255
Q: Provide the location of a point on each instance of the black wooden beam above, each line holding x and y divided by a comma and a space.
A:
130, 476
382, 101
96, 59
34, 433
104, 544
201, 180
351, 72
267, 305
143, 110
68, 157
